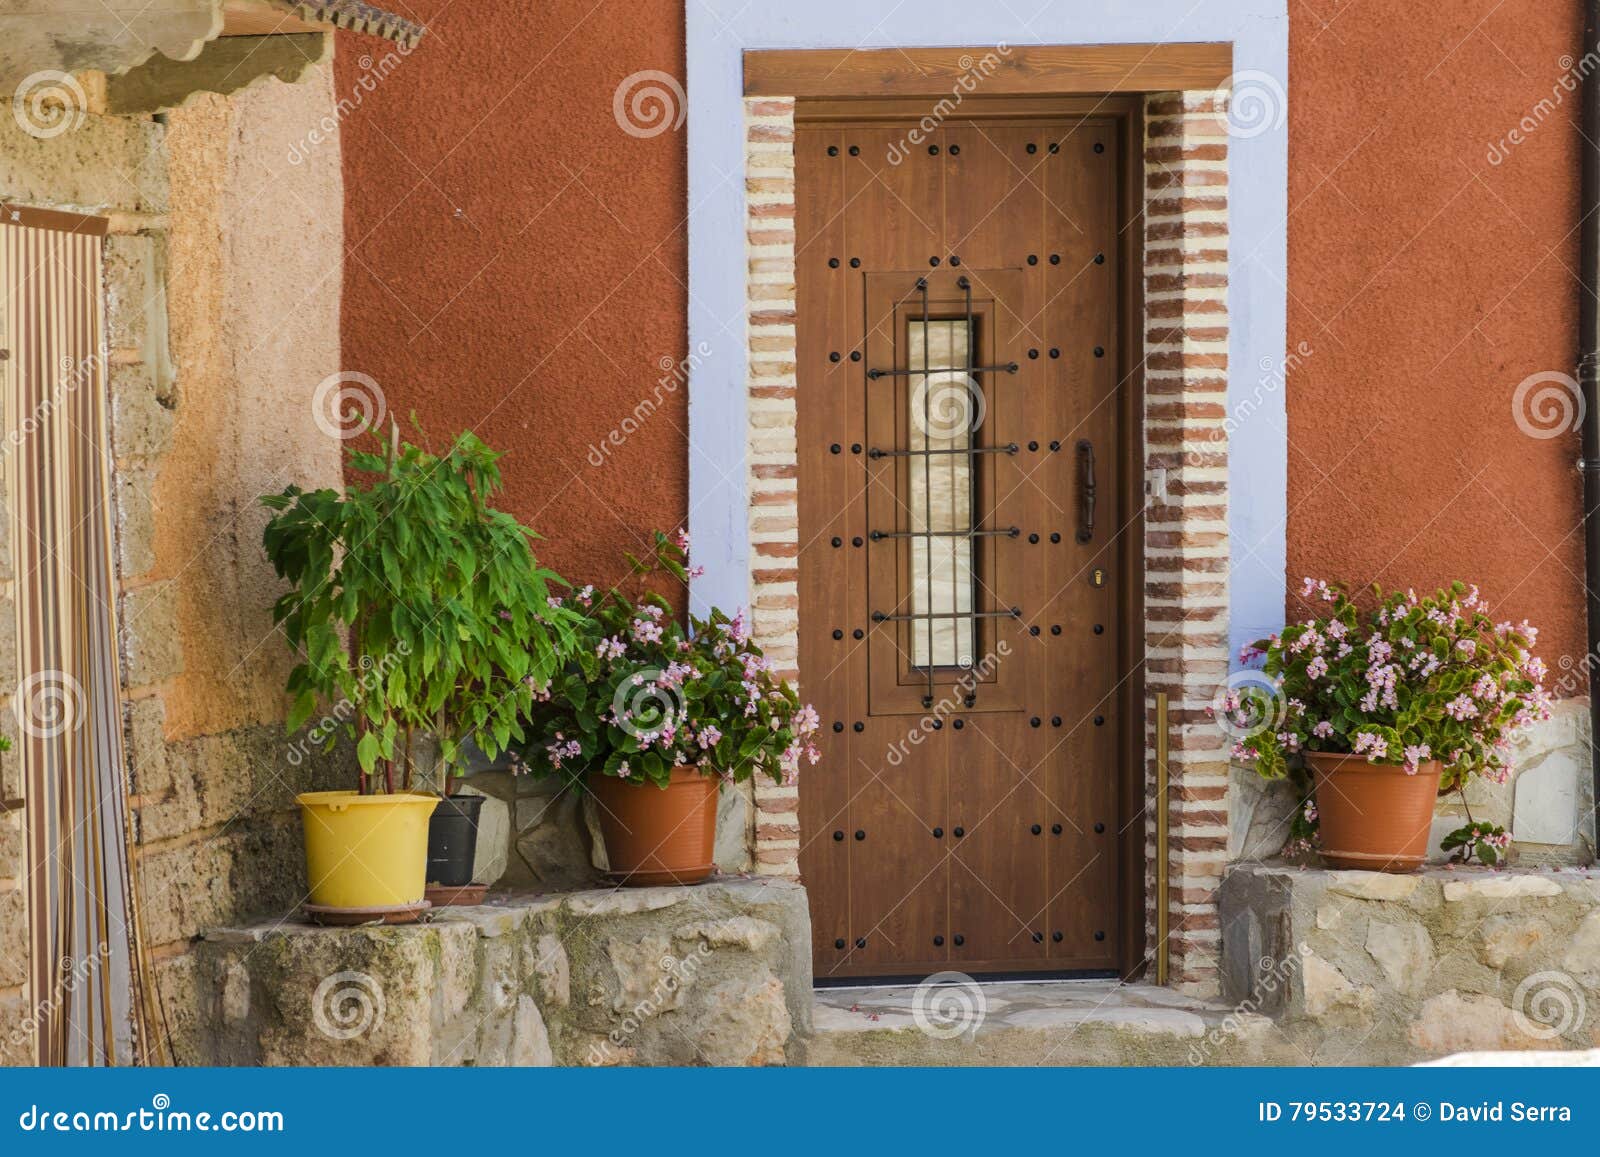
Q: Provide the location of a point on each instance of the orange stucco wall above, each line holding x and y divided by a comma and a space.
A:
1429, 281
515, 262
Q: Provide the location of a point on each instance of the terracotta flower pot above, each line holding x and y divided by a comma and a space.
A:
1373, 816
658, 835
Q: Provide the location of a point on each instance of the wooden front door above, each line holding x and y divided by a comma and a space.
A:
966, 418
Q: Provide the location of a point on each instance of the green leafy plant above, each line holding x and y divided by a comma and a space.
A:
642, 695
1423, 683
414, 606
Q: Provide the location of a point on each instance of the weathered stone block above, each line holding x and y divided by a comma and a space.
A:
132, 289
13, 936
1547, 801
145, 737
103, 163
136, 518
1403, 950
150, 628
142, 415
11, 841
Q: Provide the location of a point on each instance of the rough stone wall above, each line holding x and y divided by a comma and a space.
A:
714, 975
222, 280
1368, 968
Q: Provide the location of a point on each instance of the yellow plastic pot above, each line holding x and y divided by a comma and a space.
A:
366, 851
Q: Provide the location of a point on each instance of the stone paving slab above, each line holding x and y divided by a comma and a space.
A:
1069, 1022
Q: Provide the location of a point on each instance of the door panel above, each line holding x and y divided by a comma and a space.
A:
961, 393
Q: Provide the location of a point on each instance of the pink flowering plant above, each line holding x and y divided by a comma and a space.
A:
1414, 682
643, 695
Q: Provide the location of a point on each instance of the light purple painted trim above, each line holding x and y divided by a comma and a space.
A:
718, 32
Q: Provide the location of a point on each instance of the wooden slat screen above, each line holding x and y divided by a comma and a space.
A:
85, 984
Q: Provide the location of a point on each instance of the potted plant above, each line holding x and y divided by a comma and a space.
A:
414, 607
651, 717
1377, 712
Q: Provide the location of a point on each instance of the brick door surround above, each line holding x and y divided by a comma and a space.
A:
1186, 475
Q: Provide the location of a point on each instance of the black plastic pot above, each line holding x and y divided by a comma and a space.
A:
453, 840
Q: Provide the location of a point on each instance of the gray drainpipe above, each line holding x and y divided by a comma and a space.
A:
1589, 368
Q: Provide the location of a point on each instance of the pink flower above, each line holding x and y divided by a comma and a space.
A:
1416, 754
1322, 730
1374, 747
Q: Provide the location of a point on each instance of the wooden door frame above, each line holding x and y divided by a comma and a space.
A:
1026, 70
1126, 111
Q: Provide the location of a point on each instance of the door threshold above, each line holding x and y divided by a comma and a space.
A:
1085, 976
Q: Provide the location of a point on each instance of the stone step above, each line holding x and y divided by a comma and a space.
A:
1059, 1022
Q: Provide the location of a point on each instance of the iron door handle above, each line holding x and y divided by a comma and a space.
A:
1085, 490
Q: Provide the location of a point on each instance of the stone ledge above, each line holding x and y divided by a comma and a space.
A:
717, 974
1364, 967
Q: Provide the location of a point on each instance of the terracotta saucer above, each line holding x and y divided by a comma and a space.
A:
348, 917
444, 895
